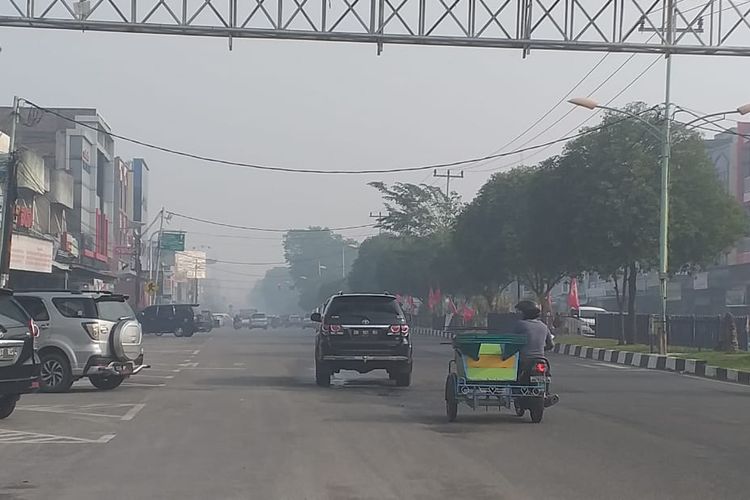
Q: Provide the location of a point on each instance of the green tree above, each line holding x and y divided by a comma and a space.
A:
514, 229
417, 210
609, 185
315, 259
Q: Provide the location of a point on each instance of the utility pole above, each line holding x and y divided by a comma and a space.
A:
377, 216
195, 281
9, 199
448, 176
138, 245
159, 272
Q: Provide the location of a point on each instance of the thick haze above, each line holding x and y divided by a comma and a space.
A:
320, 105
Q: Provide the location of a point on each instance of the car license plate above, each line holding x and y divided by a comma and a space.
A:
7, 353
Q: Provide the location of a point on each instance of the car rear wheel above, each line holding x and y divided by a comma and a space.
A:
403, 379
178, 332
537, 411
106, 382
451, 401
7, 405
322, 375
187, 333
55, 372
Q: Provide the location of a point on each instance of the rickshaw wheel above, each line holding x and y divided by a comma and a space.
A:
520, 410
451, 402
537, 411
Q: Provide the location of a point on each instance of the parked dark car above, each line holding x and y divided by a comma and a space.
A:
19, 363
178, 319
362, 332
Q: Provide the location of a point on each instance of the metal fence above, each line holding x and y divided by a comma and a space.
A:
700, 332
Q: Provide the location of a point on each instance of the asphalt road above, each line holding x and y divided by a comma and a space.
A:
236, 415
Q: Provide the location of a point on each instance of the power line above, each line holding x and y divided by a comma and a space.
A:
263, 229
302, 171
590, 117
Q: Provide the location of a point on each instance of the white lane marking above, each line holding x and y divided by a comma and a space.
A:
177, 370
148, 375
239, 364
133, 384
66, 412
197, 351
133, 410
20, 437
616, 367
188, 364
130, 415
212, 368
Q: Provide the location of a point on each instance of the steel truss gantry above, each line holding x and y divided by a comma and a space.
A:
715, 27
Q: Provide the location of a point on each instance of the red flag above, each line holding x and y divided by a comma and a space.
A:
431, 300
573, 301
467, 313
438, 297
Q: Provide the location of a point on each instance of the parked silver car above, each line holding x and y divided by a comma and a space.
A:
84, 334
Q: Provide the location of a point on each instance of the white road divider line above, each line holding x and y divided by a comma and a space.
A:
130, 415
134, 384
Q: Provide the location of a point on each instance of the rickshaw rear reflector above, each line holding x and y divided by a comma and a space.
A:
335, 329
540, 367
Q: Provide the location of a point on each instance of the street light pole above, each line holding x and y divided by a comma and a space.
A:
666, 152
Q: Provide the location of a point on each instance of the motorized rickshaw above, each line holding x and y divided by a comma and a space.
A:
485, 372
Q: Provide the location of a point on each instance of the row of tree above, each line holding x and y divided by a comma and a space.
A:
594, 207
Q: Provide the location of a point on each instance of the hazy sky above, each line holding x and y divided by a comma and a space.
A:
321, 105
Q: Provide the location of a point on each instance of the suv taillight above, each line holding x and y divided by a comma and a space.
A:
399, 330
94, 329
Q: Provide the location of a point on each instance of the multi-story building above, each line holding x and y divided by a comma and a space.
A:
82, 198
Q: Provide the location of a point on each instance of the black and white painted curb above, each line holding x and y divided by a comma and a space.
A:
655, 362
637, 359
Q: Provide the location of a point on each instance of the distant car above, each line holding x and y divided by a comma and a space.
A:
295, 321
19, 363
308, 323
244, 318
221, 319
178, 319
205, 321
586, 319
259, 320
84, 334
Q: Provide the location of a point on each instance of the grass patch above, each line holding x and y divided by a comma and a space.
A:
736, 361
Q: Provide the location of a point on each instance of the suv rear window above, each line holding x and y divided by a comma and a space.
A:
113, 310
258, 316
355, 309
110, 309
11, 313
76, 307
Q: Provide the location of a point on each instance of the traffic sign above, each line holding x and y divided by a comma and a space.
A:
174, 241
151, 287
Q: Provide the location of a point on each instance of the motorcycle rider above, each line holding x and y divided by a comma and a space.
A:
538, 340
538, 336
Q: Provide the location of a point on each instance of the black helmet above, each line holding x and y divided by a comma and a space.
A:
529, 309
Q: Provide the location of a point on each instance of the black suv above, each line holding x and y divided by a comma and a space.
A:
19, 364
362, 332
183, 320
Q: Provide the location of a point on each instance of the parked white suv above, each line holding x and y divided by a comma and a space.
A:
84, 334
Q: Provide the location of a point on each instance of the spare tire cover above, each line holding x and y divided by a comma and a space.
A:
126, 339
